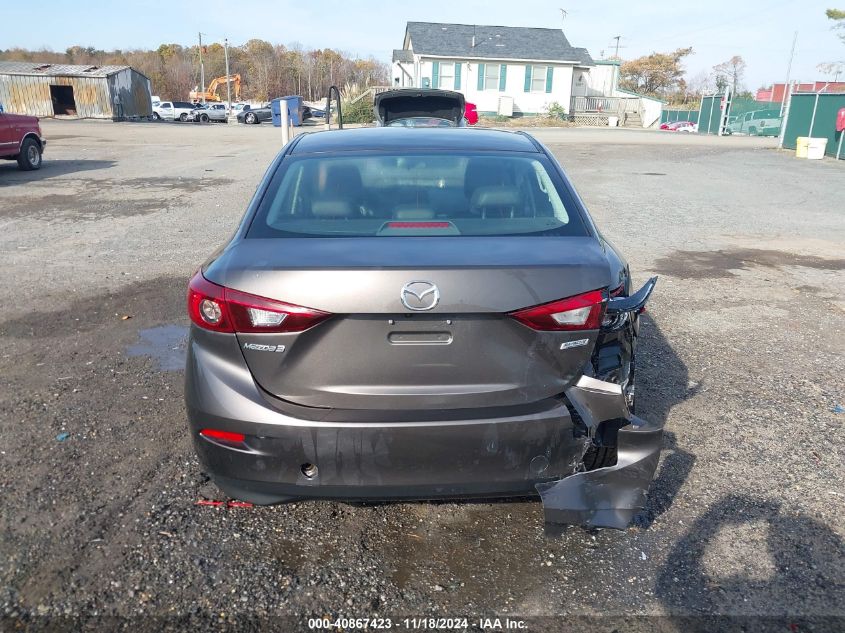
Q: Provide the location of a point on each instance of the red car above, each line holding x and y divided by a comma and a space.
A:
676, 126
21, 140
470, 113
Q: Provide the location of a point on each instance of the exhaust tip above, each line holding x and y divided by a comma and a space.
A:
309, 471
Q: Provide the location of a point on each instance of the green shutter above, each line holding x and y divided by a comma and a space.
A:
480, 76
458, 75
435, 74
549, 72
528, 79
503, 74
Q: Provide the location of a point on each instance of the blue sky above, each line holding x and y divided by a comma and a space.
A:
760, 31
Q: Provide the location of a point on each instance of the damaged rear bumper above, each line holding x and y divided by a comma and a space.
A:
605, 497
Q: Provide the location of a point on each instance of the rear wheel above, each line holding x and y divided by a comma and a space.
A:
156, 116
251, 118
30, 156
183, 117
204, 118
752, 131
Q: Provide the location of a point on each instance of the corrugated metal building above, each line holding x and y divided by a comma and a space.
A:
97, 92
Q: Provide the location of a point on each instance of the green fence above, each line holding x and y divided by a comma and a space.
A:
754, 118
710, 113
670, 116
814, 114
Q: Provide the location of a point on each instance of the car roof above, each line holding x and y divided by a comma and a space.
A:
413, 139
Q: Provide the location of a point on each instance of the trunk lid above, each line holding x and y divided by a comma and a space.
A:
376, 353
410, 103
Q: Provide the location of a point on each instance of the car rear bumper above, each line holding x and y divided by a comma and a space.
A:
488, 456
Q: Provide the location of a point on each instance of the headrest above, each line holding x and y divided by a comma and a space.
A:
331, 209
495, 197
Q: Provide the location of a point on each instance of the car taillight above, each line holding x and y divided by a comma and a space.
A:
220, 309
581, 312
225, 436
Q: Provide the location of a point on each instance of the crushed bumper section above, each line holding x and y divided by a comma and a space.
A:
605, 497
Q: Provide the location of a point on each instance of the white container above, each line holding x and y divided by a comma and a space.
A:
613, 121
505, 106
815, 148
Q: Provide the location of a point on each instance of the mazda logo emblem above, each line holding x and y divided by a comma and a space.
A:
419, 295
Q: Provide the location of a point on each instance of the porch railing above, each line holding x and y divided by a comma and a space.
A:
605, 105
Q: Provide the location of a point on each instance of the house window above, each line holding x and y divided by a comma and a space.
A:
447, 76
538, 78
491, 76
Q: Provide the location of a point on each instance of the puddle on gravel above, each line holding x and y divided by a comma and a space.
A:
721, 264
166, 344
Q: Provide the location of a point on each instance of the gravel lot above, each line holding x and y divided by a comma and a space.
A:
743, 355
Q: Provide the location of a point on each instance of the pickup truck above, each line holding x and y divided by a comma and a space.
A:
174, 111
21, 140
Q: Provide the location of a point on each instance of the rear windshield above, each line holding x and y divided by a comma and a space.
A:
416, 194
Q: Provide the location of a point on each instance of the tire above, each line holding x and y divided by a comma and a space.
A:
204, 118
30, 157
183, 117
250, 118
156, 116
752, 131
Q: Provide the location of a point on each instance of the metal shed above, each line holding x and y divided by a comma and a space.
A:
96, 92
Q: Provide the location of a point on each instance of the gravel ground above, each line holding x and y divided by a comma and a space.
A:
742, 355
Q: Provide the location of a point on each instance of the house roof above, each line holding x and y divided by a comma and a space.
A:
493, 42
64, 70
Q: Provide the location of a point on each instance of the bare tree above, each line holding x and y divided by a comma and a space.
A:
731, 72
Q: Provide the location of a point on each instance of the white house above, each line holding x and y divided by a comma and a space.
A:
499, 68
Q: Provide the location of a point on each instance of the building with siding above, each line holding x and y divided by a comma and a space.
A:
96, 92
532, 66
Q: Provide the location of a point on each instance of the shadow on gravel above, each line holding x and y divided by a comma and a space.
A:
746, 554
662, 383
10, 174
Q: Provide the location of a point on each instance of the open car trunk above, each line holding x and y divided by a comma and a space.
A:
410, 103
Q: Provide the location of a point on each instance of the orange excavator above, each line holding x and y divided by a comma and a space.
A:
211, 93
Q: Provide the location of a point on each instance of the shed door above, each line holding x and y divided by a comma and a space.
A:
63, 101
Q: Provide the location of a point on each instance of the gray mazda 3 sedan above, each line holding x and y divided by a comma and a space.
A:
420, 313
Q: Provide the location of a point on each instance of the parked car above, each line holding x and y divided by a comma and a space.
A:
174, 110
318, 113
21, 140
756, 123
679, 126
210, 112
475, 334
255, 115
237, 107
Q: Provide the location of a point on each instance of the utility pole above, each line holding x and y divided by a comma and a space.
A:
228, 83
202, 72
617, 38
788, 72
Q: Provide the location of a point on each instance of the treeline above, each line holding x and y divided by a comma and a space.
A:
267, 70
